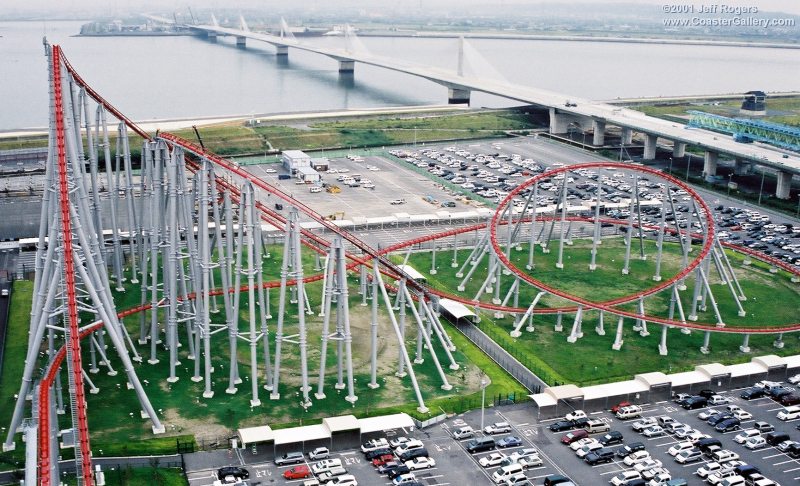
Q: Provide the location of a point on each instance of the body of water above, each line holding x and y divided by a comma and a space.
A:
151, 78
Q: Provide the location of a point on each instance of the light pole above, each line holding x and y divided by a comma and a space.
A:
730, 178
483, 397
688, 164
670, 166
762, 186
415, 137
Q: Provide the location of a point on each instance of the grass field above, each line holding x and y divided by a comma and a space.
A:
548, 354
780, 110
118, 431
237, 138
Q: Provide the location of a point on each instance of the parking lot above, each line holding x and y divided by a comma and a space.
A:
456, 466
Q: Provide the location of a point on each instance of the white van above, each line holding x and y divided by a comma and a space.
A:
506, 472
789, 413
629, 412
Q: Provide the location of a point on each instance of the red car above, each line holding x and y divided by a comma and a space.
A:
573, 436
298, 472
616, 407
380, 461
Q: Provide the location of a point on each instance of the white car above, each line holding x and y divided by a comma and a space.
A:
646, 422
497, 428
319, 453
374, 444
585, 450
577, 414
270, 171
706, 414
746, 434
344, 480
742, 414
636, 458
624, 478
651, 473
720, 476
397, 201
708, 469
725, 455
397, 442
409, 446
582, 442
719, 400
420, 463
649, 463
653, 431
756, 443
795, 379
680, 447
493, 459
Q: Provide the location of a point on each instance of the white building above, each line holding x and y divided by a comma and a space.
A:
294, 159
308, 175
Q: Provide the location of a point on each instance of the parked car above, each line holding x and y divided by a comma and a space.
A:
613, 437
688, 455
491, 460
680, 447
625, 477
374, 444
319, 453
290, 458
599, 456
742, 436
763, 427
235, 471
420, 463
629, 449
616, 407
509, 441
755, 443
298, 472
575, 415
636, 458
719, 400
753, 393
646, 422
497, 428
574, 436
653, 431
561, 426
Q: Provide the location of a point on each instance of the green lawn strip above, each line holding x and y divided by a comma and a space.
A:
548, 355
125, 475
781, 110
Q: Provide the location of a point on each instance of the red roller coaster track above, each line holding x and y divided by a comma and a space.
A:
389, 268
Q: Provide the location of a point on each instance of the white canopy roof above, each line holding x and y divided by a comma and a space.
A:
385, 422
456, 309
614, 389
301, 434
254, 435
341, 423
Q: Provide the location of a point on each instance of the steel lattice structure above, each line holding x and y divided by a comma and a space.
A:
191, 217
763, 131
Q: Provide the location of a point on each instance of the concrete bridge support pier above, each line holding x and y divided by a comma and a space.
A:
678, 150
649, 147
346, 66
241, 41
784, 184
458, 96
599, 130
627, 136
281, 50
558, 122
212, 36
740, 167
710, 163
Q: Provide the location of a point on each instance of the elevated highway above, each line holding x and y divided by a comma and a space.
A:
565, 110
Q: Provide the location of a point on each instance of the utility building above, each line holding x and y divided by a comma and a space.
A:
294, 159
754, 103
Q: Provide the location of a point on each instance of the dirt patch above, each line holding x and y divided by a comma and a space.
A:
202, 429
